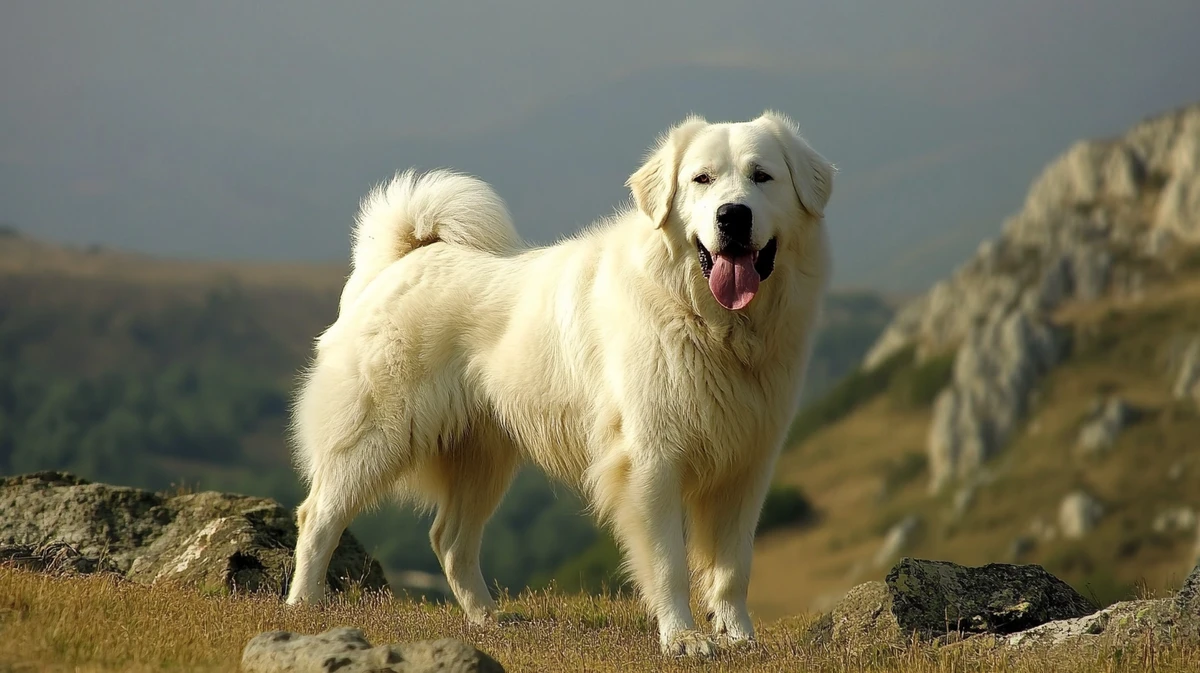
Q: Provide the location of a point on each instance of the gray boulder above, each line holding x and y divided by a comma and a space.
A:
938, 601
934, 598
1126, 621
1187, 601
1165, 620
215, 541
347, 650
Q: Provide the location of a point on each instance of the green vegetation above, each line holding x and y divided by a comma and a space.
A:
785, 506
918, 386
855, 390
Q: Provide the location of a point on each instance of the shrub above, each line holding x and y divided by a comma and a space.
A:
785, 506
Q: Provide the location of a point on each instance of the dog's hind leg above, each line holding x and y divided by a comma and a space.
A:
340, 489
470, 482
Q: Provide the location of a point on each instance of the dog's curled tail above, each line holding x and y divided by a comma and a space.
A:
415, 210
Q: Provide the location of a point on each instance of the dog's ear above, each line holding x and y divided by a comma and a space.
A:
812, 175
653, 185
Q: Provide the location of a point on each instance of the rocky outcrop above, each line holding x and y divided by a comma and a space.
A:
1018, 607
1188, 599
1096, 222
215, 541
1119, 622
1167, 620
995, 369
347, 650
934, 600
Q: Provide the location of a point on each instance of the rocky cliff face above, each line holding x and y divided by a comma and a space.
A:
1107, 218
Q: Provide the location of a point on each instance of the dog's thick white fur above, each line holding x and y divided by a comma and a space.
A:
605, 359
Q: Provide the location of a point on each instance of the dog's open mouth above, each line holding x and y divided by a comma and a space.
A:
735, 272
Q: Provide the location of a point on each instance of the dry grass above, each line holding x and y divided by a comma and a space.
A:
101, 624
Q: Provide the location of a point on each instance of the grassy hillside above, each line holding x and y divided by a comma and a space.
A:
148, 372
861, 460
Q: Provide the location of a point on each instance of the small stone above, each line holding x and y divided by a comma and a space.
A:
347, 650
1104, 423
1187, 376
1174, 520
1175, 472
1079, 514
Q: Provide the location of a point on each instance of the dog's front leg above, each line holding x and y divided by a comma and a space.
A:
648, 518
721, 526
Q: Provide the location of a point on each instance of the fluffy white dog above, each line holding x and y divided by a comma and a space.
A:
654, 362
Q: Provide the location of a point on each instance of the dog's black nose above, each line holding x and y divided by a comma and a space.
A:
734, 221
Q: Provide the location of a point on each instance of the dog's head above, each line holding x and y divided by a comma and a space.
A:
735, 192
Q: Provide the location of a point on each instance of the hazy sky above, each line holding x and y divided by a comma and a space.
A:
248, 129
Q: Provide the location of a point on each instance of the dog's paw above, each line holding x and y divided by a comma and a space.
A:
689, 643
729, 643
507, 618
491, 618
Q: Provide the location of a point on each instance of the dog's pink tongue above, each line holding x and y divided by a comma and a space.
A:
733, 280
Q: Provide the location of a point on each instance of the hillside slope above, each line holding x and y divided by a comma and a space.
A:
1040, 405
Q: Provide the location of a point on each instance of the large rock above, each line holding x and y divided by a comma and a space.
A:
936, 597
347, 650
1127, 621
935, 600
1163, 621
215, 541
1187, 601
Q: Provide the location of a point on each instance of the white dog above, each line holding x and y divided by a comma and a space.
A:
654, 362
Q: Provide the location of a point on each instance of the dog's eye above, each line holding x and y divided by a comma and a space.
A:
760, 176
702, 179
